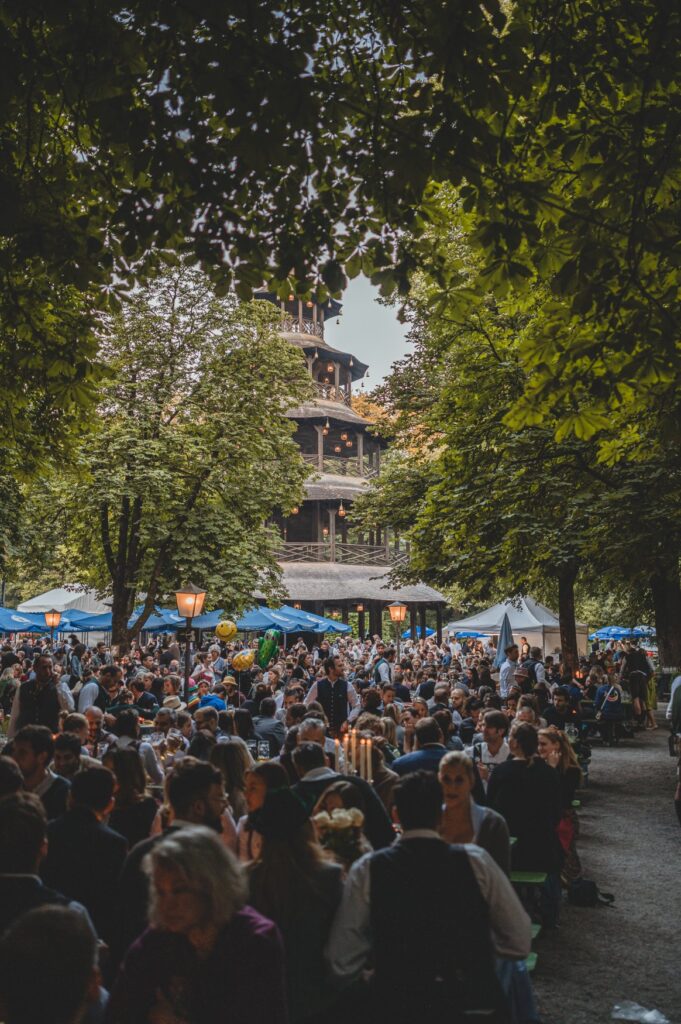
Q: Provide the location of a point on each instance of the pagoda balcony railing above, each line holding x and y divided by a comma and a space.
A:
338, 551
296, 325
330, 393
339, 466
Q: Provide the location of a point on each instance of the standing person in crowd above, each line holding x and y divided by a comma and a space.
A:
557, 751
40, 699
33, 750
60, 940
126, 736
233, 760
298, 888
134, 811
526, 792
195, 794
508, 669
84, 855
23, 844
472, 913
260, 779
335, 694
206, 953
428, 749
268, 728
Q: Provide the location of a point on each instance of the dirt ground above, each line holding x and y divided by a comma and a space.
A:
630, 845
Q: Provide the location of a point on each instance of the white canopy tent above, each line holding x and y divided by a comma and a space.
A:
72, 597
528, 618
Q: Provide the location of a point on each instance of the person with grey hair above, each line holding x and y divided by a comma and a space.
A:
206, 952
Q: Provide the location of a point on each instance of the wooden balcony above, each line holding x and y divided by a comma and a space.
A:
296, 325
331, 393
339, 466
337, 551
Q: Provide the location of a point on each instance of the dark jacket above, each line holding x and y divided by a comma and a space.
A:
38, 705
54, 799
84, 857
427, 758
134, 821
528, 797
305, 931
272, 730
18, 895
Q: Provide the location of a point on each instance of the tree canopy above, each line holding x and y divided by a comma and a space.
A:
295, 145
188, 455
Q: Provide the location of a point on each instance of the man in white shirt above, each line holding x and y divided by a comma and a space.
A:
507, 670
462, 922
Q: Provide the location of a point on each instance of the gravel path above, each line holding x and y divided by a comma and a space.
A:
629, 845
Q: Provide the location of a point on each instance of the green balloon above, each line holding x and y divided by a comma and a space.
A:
268, 645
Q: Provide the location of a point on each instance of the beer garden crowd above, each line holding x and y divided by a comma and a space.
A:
336, 834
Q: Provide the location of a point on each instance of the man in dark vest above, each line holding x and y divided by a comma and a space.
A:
448, 934
335, 694
38, 697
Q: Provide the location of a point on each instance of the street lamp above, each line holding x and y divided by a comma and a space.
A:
52, 620
398, 613
189, 605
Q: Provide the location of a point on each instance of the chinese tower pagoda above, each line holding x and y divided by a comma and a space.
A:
328, 565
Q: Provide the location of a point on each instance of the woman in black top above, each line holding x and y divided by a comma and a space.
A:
297, 887
134, 811
556, 750
526, 791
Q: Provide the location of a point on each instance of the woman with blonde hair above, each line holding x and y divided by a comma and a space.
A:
464, 821
205, 949
556, 750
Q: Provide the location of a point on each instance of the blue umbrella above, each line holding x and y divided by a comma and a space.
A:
314, 623
407, 632
505, 640
469, 634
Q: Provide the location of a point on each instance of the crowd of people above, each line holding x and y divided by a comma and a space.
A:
179, 853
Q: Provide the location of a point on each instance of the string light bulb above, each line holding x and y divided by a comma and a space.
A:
341, 511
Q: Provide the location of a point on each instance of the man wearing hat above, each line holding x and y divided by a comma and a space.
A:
521, 678
173, 703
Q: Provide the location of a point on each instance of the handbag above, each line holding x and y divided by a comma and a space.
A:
674, 743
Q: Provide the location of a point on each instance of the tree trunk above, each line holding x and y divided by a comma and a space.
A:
566, 619
666, 593
121, 610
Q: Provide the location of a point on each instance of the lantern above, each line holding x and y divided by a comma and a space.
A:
397, 611
190, 601
341, 511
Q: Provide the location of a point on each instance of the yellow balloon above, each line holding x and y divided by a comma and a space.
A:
226, 629
243, 660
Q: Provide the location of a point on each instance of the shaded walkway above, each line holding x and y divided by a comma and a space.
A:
630, 845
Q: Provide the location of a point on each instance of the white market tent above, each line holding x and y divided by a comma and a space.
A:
528, 618
72, 597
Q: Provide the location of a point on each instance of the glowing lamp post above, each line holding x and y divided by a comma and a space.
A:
189, 605
398, 613
52, 620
